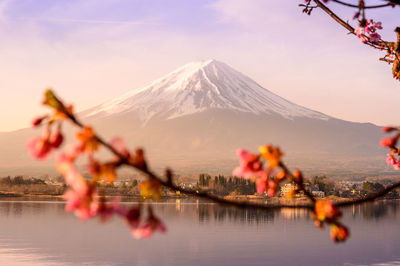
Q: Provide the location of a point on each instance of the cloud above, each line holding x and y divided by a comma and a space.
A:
3, 7
250, 13
93, 50
90, 21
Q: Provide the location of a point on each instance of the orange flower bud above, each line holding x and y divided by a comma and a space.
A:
298, 176
150, 189
88, 139
339, 233
271, 154
326, 210
388, 129
38, 121
51, 100
56, 139
138, 160
281, 175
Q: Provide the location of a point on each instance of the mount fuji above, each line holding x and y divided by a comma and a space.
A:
194, 118
200, 86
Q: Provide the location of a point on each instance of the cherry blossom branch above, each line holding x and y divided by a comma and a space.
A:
323, 212
83, 196
370, 198
365, 7
299, 183
240, 204
169, 183
334, 16
367, 30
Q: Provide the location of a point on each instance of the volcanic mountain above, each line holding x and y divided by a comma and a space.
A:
198, 87
196, 117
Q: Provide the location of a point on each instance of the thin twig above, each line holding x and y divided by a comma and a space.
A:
301, 186
357, 6
370, 198
334, 16
240, 204
200, 194
347, 26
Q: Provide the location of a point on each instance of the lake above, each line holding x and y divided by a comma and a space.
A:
41, 233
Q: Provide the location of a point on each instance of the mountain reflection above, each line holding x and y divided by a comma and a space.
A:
379, 210
208, 212
199, 233
215, 212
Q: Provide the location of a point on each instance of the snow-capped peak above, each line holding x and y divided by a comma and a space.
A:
199, 86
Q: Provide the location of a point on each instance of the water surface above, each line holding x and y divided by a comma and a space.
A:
41, 233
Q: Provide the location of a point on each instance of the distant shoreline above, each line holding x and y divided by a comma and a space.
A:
299, 201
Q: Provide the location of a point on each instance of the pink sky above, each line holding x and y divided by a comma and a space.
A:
94, 50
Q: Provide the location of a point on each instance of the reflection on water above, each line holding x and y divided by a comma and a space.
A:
207, 212
379, 210
213, 212
199, 234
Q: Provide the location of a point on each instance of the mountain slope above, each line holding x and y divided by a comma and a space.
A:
200, 86
195, 118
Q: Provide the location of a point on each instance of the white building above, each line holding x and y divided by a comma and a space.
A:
319, 194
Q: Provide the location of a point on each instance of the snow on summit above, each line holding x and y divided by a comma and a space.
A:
199, 86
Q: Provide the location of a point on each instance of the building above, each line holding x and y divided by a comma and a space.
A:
318, 193
286, 188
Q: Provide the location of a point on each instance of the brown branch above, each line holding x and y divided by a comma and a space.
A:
334, 16
386, 60
307, 193
385, 44
169, 184
357, 6
240, 204
396, 50
370, 198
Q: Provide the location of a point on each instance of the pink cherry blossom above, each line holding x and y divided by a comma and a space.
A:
39, 148
391, 160
378, 25
262, 184
272, 187
132, 217
250, 165
84, 203
374, 37
56, 139
388, 142
368, 32
81, 196
152, 224
119, 145
107, 210
360, 33
72, 177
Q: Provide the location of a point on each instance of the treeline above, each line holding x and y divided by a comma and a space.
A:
324, 184
222, 185
369, 188
29, 186
125, 189
36, 186
19, 180
332, 188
